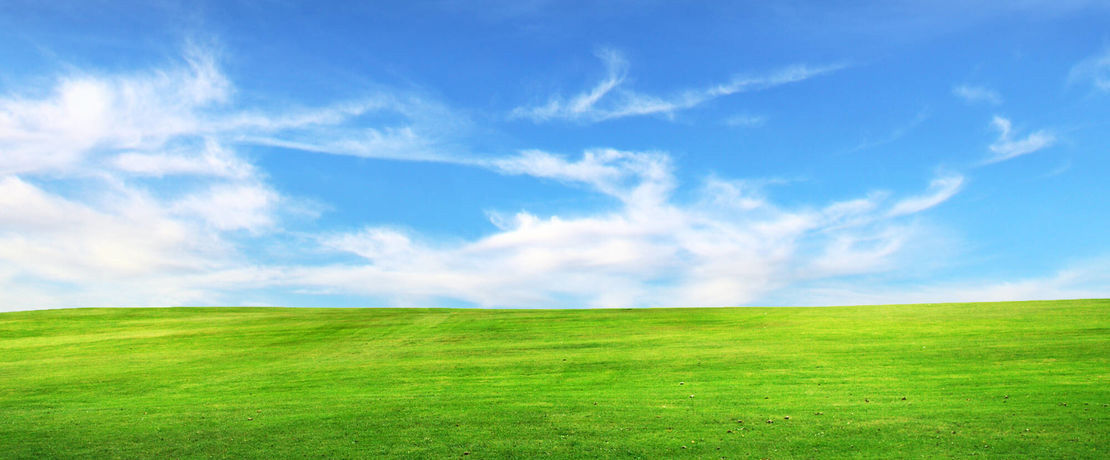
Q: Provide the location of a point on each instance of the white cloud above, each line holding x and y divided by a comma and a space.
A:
851, 254
181, 120
635, 178
744, 120
608, 99
731, 246
977, 94
85, 113
231, 207
393, 143
1006, 147
1083, 280
45, 235
116, 244
898, 133
214, 160
940, 190
84, 221
1094, 70
421, 130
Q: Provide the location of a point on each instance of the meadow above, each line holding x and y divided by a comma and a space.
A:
997, 380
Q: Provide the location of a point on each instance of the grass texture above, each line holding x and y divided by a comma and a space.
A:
997, 380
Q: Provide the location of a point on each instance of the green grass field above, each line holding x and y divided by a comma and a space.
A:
1004, 380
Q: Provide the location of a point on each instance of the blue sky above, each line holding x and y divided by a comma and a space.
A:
552, 154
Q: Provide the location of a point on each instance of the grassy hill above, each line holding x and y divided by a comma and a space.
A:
1005, 380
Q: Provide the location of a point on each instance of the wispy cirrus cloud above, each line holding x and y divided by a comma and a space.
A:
419, 129
642, 177
977, 94
609, 99
940, 190
898, 133
745, 120
1007, 147
1094, 70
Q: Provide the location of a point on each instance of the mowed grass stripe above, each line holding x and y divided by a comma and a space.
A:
1004, 380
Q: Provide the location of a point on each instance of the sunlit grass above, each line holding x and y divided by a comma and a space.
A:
1006, 380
